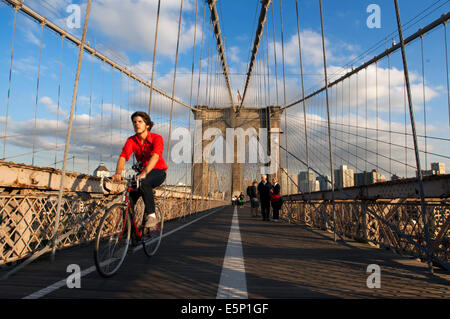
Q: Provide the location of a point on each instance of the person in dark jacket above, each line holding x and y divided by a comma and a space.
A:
264, 188
275, 199
252, 192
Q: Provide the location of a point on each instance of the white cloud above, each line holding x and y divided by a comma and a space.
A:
132, 24
52, 107
143, 69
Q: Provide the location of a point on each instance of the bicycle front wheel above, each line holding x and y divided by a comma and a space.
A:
152, 240
113, 239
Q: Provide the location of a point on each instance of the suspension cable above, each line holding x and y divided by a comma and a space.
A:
328, 116
275, 53
390, 111
268, 65
174, 80
37, 92
446, 68
424, 104
154, 58
10, 79
201, 52
284, 86
59, 99
90, 115
303, 93
101, 114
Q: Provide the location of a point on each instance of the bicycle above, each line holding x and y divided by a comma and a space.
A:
117, 226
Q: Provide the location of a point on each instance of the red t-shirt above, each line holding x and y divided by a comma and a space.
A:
152, 145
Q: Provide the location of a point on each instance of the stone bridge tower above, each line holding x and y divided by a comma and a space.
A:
223, 118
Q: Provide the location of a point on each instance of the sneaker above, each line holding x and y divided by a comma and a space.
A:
151, 221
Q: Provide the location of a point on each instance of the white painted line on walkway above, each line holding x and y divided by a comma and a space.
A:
63, 282
233, 283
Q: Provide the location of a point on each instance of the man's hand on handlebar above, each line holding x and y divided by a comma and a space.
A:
142, 175
116, 177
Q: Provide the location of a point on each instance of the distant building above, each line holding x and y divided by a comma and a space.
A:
344, 177
317, 188
288, 184
367, 178
102, 171
307, 182
439, 168
324, 182
436, 169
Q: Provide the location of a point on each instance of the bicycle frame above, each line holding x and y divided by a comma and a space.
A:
129, 210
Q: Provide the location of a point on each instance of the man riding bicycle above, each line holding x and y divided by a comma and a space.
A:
148, 150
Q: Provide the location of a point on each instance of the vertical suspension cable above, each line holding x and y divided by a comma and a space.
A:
348, 119
390, 112
357, 119
192, 85
174, 80
328, 117
120, 104
128, 97
342, 118
37, 94
446, 68
336, 103
154, 58
208, 64
267, 64
9, 83
215, 81
405, 133
424, 104
211, 67
303, 94
112, 108
258, 77
284, 89
264, 66
366, 104
69, 130
101, 111
90, 115
416, 146
275, 52
201, 52
59, 99
376, 111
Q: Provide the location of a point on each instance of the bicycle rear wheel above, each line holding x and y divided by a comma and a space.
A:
113, 239
152, 241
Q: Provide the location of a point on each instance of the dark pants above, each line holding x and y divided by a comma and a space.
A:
265, 209
276, 210
153, 179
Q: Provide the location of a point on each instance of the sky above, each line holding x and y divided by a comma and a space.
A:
123, 30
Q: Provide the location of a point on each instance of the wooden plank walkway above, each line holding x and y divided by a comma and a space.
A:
281, 261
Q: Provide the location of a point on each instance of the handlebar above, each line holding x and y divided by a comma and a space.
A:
103, 183
108, 190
